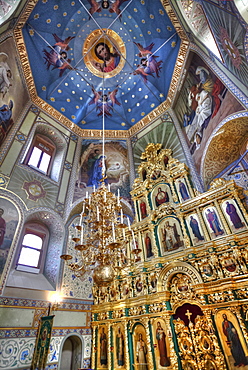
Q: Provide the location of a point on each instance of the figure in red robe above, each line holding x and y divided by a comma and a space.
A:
148, 245
160, 336
161, 197
143, 209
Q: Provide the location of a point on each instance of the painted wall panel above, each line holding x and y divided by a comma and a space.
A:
65, 318
71, 151
10, 158
63, 186
27, 123
16, 317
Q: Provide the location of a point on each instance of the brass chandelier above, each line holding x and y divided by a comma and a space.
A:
102, 238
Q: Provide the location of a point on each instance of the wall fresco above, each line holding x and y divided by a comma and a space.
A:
202, 104
13, 95
90, 167
8, 224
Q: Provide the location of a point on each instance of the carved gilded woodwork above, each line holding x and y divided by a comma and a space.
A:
210, 273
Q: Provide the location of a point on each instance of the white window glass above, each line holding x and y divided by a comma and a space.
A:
35, 157
45, 162
31, 240
29, 257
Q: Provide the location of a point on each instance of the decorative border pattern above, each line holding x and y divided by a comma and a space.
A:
72, 304
24, 333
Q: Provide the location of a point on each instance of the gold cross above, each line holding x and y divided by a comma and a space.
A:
188, 314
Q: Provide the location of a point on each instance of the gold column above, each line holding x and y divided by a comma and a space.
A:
174, 194
173, 356
127, 359
185, 235
244, 212
202, 223
109, 348
219, 357
145, 321
189, 187
222, 217
93, 356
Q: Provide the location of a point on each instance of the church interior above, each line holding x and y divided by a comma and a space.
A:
124, 184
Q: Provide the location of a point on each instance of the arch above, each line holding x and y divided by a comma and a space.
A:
221, 148
174, 268
54, 224
75, 342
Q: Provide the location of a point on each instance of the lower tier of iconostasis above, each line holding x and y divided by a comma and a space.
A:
183, 302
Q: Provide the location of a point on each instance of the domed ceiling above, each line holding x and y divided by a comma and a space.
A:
93, 59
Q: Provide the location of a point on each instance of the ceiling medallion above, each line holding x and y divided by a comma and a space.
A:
104, 53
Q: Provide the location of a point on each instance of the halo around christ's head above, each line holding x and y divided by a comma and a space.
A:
104, 53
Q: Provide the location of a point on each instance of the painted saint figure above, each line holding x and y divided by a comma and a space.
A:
139, 285
234, 343
143, 209
195, 228
160, 336
141, 351
103, 348
110, 60
97, 172
2, 227
6, 120
171, 238
232, 212
161, 197
90, 164
148, 245
183, 190
120, 348
214, 222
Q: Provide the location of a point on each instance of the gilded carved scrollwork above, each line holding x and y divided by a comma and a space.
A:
198, 343
145, 322
210, 273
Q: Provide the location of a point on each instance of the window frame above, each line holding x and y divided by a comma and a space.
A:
38, 230
45, 141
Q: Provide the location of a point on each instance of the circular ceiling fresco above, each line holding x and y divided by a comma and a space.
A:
91, 59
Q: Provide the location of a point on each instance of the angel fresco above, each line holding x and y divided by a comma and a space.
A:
112, 5
57, 56
203, 102
104, 103
5, 74
149, 66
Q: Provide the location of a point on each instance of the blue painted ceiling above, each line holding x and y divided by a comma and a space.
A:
60, 38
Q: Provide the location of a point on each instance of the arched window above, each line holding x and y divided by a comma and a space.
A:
41, 154
46, 151
32, 249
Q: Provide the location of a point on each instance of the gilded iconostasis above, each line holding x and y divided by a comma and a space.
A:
168, 82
